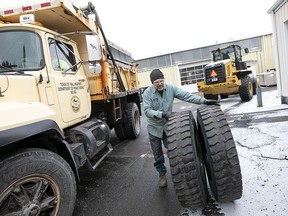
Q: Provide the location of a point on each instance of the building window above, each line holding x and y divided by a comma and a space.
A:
192, 75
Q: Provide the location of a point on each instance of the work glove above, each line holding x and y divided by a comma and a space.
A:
211, 102
166, 115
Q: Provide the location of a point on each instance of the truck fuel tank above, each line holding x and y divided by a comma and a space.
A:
94, 134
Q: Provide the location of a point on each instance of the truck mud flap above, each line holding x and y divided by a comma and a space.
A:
221, 158
186, 160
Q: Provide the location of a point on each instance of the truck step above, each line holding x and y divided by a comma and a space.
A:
93, 167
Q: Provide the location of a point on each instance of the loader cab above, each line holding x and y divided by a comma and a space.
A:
232, 52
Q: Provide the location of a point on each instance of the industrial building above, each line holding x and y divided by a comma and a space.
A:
185, 68
279, 16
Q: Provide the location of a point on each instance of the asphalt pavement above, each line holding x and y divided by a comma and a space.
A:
126, 183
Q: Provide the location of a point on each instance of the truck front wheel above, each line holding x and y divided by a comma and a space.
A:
36, 182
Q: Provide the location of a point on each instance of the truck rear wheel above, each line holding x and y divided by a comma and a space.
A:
36, 182
120, 131
133, 127
246, 89
186, 160
221, 158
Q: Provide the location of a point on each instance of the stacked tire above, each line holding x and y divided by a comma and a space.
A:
186, 160
205, 149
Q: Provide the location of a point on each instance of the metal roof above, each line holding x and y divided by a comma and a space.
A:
278, 4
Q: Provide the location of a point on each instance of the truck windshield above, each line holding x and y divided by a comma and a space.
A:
20, 51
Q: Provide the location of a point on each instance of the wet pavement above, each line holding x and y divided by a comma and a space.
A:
126, 182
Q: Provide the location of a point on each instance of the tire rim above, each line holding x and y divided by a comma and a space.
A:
31, 195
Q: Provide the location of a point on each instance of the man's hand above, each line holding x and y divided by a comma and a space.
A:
166, 115
211, 102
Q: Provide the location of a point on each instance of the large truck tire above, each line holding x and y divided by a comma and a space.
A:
246, 88
120, 131
221, 158
36, 182
133, 127
186, 160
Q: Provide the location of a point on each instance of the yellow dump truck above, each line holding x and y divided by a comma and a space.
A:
62, 91
227, 74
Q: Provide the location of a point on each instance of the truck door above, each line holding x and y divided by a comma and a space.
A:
69, 81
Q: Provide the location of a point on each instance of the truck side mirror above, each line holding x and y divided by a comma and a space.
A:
93, 47
95, 68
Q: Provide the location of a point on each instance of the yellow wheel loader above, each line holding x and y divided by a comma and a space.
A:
227, 75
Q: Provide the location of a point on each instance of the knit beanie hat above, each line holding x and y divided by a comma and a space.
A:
156, 74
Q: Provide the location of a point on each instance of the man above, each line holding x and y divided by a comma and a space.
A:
158, 102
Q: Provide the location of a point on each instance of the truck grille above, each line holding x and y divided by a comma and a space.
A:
215, 74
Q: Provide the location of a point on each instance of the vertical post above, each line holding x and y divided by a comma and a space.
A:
259, 94
259, 97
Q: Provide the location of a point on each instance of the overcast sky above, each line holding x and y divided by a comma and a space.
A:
152, 27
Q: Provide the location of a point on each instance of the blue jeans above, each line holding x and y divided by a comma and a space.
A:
156, 145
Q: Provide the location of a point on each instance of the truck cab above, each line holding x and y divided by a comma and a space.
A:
61, 93
41, 70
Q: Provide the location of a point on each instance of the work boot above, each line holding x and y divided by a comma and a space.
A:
162, 181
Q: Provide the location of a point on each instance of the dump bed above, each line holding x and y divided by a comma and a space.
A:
58, 15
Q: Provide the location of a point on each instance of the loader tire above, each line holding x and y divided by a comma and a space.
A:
186, 160
211, 96
246, 88
133, 127
36, 182
223, 96
221, 158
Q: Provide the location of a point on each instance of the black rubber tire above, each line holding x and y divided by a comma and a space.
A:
211, 96
221, 158
120, 131
246, 88
186, 160
223, 96
40, 180
254, 87
133, 127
